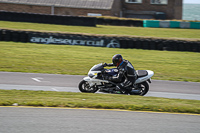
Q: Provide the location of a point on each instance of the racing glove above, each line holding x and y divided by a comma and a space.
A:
104, 64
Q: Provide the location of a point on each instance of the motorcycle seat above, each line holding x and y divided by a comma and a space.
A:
141, 73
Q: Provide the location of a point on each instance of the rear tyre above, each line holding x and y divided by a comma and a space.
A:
85, 87
144, 87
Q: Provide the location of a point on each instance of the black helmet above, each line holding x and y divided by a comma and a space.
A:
117, 59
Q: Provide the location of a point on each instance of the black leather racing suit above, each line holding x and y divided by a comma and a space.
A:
124, 69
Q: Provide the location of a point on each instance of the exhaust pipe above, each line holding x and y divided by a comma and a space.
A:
135, 92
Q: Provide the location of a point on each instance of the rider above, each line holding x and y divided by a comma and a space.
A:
125, 68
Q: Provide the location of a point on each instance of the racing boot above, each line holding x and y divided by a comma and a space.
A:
123, 89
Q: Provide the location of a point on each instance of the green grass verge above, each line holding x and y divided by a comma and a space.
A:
106, 30
99, 101
77, 60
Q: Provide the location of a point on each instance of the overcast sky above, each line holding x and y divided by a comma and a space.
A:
192, 1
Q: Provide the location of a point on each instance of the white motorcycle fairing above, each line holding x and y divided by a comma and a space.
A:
145, 78
93, 81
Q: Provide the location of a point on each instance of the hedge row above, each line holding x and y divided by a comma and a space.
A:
90, 40
47, 19
118, 22
65, 20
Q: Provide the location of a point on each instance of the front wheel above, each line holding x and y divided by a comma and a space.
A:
84, 86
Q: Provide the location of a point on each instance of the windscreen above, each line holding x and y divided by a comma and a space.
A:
97, 67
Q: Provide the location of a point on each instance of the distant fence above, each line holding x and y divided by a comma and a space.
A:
47, 19
149, 23
99, 41
171, 24
92, 21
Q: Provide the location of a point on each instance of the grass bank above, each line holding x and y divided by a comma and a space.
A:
99, 101
77, 60
184, 34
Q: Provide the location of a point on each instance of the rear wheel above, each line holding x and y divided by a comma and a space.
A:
84, 86
144, 87
141, 89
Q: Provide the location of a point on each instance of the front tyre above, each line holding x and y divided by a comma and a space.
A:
84, 86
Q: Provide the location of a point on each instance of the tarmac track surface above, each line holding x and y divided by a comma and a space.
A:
57, 82
58, 120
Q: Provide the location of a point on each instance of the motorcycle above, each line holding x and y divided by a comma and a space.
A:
95, 81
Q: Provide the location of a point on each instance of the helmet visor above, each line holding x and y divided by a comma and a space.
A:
115, 61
